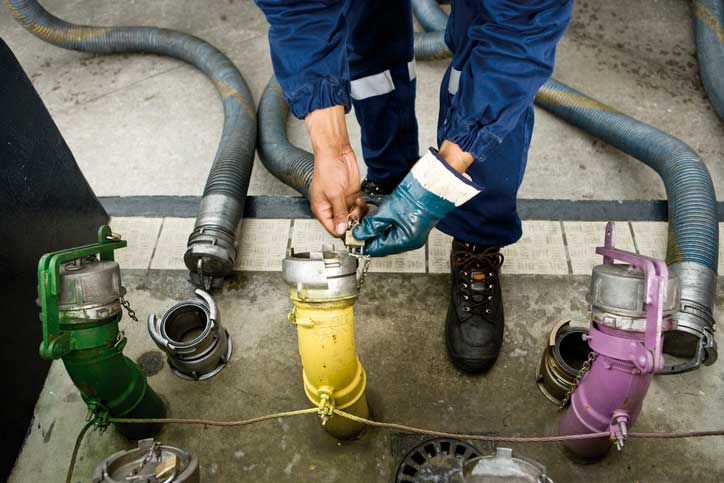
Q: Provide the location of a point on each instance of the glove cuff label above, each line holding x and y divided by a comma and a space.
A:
437, 177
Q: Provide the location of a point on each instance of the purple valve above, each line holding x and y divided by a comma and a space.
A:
631, 306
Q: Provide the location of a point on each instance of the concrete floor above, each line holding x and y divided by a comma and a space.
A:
637, 56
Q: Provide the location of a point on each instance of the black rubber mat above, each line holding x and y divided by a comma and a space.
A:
45, 205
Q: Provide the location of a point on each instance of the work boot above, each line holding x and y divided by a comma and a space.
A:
474, 324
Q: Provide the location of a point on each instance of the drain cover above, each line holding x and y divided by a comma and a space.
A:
439, 460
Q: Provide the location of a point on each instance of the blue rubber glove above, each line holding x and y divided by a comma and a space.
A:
403, 221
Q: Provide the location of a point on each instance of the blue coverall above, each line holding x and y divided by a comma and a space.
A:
343, 52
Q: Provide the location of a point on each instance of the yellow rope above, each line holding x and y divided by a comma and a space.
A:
212, 422
394, 426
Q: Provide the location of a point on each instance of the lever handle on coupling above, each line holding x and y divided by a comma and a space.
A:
656, 275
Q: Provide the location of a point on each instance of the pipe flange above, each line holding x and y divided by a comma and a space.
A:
190, 333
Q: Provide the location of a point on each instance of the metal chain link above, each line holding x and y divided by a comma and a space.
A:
579, 377
126, 305
365, 268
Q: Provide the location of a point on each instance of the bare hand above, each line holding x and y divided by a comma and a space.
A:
335, 190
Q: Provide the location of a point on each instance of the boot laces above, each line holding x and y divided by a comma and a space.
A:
477, 269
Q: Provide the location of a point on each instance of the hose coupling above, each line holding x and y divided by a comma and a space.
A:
191, 335
563, 358
693, 335
210, 256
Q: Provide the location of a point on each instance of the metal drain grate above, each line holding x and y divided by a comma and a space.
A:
438, 460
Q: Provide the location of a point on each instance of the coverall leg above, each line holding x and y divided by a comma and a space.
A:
382, 75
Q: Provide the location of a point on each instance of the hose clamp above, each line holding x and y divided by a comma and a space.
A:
190, 333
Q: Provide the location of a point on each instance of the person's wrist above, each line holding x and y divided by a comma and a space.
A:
327, 130
453, 155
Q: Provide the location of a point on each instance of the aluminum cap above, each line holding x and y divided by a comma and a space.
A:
619, 289
321, 275
90, 289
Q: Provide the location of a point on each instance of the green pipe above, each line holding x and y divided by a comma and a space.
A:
79, 291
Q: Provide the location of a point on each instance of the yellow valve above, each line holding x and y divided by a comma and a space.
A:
324, 317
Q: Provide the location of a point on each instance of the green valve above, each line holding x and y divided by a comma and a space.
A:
80, 296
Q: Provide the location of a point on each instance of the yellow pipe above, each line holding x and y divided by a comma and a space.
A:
332, 372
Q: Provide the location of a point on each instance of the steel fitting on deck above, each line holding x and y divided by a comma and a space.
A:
191, 335
151, 462
324, 288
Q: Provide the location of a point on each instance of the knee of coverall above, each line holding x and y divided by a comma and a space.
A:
491, 218
382, 72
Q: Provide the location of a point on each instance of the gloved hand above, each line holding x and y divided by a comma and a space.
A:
403, 221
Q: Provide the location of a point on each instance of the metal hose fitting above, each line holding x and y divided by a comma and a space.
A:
564, 356
190, 333
211, 249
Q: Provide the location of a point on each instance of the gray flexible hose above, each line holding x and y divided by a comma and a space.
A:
431, 46
430, 16
709, 27
292, 165
211, 246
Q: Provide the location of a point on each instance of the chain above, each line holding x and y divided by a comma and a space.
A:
365, 268
126, 305
579, 377
356, 248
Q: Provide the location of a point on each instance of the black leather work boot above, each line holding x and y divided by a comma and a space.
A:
474, 324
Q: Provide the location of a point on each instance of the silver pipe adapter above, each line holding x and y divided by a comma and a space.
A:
191, 335
151, 462
693, 335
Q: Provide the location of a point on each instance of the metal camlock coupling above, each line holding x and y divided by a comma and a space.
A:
324, 288
191, 335
80, 295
